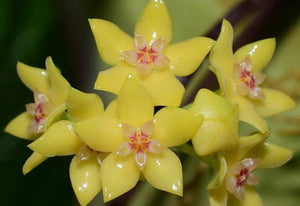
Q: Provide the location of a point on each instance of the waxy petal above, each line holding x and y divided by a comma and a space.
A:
185, 57
33, 161
18, 126
218, 196
59, 140
135, 106
260, 53
175, 126
140, 159
112, 109
85, 179
164, 172
118, 175
110, 40
155, 22
274, 103
251, 198
82, 105
34, 78
102, 133
164, 88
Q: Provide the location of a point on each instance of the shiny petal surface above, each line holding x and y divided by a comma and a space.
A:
164, 172
85, 179
221, 56
82, 105
33, 161
164, 88
155, 22
185, 57
274, 103
118, 175
110, 40
34, 78
270, 155
102, 133
218, 196
259, 52
59, 140
135, 106
18, 126
175, 126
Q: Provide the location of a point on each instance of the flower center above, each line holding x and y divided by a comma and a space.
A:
139, 142
39, 114
146, 55
242, 176
248, 79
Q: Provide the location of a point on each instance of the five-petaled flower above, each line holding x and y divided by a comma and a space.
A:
148, 56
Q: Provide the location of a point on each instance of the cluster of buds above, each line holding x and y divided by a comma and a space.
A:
130, 140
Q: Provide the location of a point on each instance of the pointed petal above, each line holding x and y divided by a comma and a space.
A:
34, 78
33, 161
18, 126
124, 149
160, 62
252, 179
58, 140
155, 22
82, 105
112, 79
112, 109
140, 42
260, 53
164, 172
102, 133
85, 179
155, 147
134, 104
251, 198
164, 88
159, 45
110, 40
274, 103
185, 57
147, 129
129, 131
131, 57
175, 126
140, 158
218, 196
59, 86
221, 55
118, 175
270, 155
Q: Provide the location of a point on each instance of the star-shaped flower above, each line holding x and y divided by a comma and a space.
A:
138, 141
239, 77
148, 56
234, 183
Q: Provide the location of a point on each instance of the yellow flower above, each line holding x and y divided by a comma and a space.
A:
233, 184
148, 56
138, 141
219, 130
50, 93
239, 77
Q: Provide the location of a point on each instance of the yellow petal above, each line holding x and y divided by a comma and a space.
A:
34, 160
175, 126
274, 103
85, 179
219, 130
102, 133
270, 155
110, 40
221, 55
58, 140
251, 198
260, 53
218, 196
185, 57
59, 86
112, 109
112, 79
82, 105
18, 126
34, 78
164, 88
118, 175
155, 22
135, 106
164, 172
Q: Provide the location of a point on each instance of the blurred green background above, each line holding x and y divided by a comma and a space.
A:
32, 30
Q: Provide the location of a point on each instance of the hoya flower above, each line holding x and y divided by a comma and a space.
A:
148, 56
138, 141
236, 178
240, 78
219, 130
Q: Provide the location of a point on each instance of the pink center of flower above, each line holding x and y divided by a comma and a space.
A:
146, 57
39, 114
139, 143
248, 79
242, 176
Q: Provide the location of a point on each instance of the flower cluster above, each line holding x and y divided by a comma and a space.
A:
129, 140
